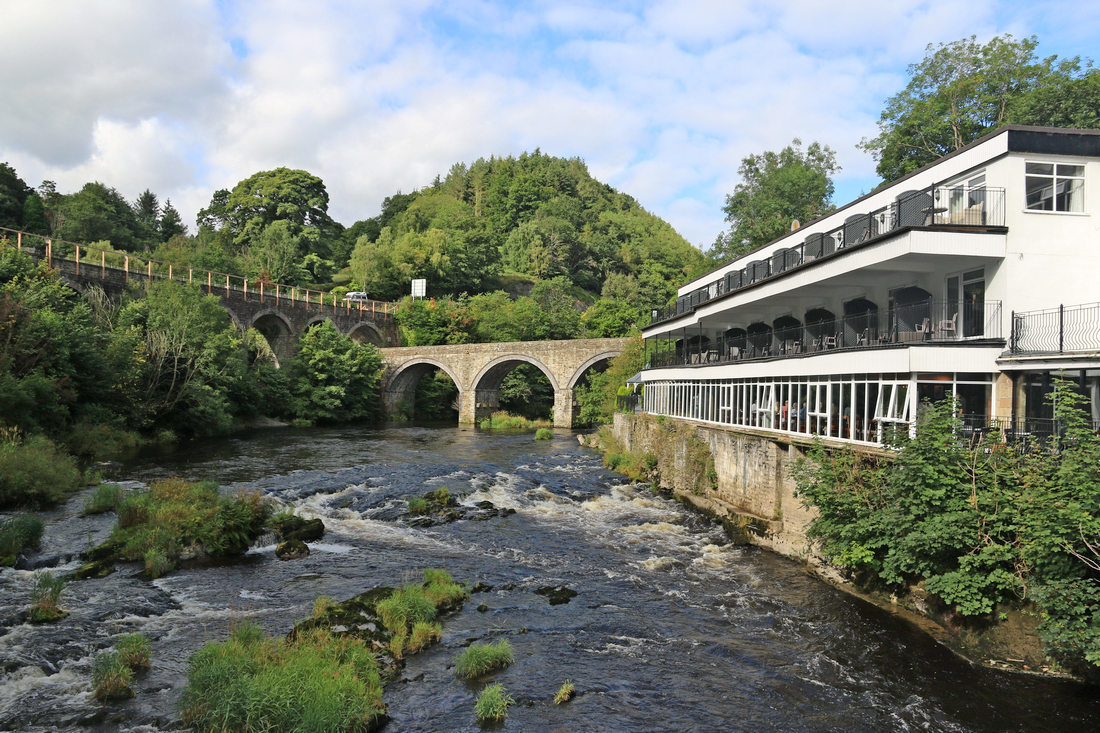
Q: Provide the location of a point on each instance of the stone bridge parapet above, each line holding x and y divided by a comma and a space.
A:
477, 371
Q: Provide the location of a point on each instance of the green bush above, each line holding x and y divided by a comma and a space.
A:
101, 441
480, 659
492, 704
317, 682
34, 472
544, 434
111, 678
441, 589
978, 524
503, 421
155, 525
17, 534
104, 498
418, 505
134, 651
46, 598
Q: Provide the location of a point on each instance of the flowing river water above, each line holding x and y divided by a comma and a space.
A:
672, 629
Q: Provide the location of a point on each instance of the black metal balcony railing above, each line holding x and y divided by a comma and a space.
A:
924, 322
1067, 328
1023, 433
949, 207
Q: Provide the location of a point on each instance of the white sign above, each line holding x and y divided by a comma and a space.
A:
419, 288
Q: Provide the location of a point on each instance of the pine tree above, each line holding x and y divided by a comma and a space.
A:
171, 223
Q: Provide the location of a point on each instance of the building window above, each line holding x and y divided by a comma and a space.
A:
1055, 187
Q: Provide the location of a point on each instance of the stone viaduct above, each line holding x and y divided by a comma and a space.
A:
477, 371
281, 313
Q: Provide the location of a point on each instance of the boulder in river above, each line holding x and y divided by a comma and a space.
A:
293, 527
292, 550
556, 594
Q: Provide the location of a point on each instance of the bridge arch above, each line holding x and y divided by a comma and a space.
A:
315, 321
277, 329
589, 364
401, 384
365, 331
485, 386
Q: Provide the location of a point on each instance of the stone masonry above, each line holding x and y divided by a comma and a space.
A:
477, 371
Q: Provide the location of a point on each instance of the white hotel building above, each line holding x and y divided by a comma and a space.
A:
969, 277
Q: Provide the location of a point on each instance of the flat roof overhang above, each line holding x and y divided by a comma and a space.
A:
894, 258
1048, 362
961, 356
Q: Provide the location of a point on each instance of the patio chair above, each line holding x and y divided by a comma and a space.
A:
948, 327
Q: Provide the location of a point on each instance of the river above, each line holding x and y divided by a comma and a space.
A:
671, 628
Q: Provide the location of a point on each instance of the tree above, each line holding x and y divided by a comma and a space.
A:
147, 214
335, 379
13, 196
283, 194
609, 319
170, 223
957, 93
1063, 100
276, 255
34, 215
775, 189
97, 212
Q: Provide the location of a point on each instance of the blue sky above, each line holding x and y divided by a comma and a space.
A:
661, 99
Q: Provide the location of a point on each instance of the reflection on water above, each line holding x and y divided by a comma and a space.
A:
672, 629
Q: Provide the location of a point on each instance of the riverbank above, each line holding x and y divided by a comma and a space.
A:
746, 482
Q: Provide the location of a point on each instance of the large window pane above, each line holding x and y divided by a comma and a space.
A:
1040, 193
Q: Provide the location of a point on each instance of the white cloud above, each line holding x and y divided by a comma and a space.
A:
661, 99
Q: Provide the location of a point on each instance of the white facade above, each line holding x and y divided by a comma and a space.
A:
927, 283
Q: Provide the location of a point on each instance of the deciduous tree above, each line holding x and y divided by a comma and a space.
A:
775, 189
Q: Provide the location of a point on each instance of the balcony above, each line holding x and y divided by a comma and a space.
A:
1066, 329
951, 208
912, 324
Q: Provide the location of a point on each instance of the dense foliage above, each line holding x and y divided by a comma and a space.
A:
537, 215
978, 524
961, 90
597, 397
776, 189
95, 374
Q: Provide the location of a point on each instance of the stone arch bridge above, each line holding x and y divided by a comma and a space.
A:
281, 313
477, 371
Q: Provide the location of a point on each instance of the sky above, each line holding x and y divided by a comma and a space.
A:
661, 99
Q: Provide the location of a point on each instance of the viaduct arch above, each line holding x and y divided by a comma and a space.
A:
477, 371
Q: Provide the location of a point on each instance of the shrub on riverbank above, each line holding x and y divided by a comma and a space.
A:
34, 472
318, 681
173, 516
544, 434
18, 533
492, 704
503, 421
480, 659
976, 524
104, 498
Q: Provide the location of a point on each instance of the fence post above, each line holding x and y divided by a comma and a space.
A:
148, 274
49, 252
190, 274
169, 270
209, 281
19, 241
245, 281
78, 260
227, 286
126, 267
261, 291
103, 264
1061, 323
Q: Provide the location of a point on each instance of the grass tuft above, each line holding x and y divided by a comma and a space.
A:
318, 681
544, 434
322, 605
46, 598
492, 704
418, 505
503, 421
405, 607
480, 659
423, 634
111, 678
565, 693
134, 651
